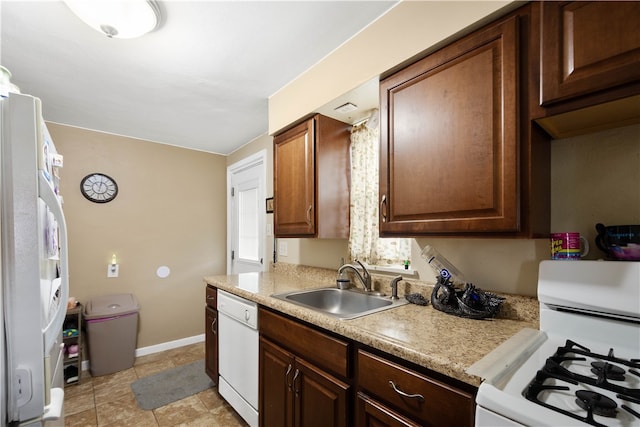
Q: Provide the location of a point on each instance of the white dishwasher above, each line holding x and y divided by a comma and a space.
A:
238, 354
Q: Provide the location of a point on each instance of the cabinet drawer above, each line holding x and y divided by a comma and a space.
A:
327, 352
371, 413
212, 297
440, 404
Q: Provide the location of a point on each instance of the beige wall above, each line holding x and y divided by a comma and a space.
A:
170, 210
588, 186
594, 178
408, 29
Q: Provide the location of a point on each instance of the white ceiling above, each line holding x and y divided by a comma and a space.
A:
201, 80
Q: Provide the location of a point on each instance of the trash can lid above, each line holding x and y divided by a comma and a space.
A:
111, 305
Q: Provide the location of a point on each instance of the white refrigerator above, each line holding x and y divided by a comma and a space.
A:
34, 267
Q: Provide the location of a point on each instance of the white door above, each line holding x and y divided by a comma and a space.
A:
246, 215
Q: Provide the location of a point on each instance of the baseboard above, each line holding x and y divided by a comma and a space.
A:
143, 351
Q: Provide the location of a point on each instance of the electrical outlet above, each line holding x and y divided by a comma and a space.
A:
112, 270
282, 248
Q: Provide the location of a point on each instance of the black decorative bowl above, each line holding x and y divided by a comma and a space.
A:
619, 242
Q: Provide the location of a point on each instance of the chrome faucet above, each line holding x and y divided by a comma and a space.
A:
365, 277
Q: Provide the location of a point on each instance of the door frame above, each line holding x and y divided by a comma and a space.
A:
258, 159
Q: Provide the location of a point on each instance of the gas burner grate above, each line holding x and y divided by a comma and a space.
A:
537, 386
592, 402
626, 407
552, 365
575, 348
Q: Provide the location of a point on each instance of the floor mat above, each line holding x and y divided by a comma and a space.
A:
173, 384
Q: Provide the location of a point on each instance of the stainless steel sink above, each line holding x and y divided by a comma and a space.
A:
343, 304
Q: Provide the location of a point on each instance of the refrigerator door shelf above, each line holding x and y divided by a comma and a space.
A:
54, 326
51, 298
46, 149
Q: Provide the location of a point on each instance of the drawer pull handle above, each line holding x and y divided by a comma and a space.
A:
419, 397
213, 325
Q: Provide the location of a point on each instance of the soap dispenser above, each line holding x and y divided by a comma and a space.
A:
343, 281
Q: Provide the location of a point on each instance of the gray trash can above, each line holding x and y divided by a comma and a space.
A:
112, 330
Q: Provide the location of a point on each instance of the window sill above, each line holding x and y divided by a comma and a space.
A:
392, 270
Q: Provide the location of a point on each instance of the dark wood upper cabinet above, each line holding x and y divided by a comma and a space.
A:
456, 146
587, 47
311, 172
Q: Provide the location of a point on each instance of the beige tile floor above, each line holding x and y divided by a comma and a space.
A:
108, 400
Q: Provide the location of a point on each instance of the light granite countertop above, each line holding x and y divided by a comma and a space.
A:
420, 334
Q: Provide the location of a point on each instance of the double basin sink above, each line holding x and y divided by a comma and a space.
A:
340, 303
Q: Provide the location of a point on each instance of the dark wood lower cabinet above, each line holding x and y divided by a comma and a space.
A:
320, 400
416, 395
211, 333
294, 392
275, 405
211, 344
314, 378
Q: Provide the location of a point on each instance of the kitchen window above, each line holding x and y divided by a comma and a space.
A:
364, 241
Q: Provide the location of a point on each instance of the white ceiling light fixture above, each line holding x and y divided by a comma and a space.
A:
124, 19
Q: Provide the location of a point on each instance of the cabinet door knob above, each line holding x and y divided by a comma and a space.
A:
419, 397
213, 324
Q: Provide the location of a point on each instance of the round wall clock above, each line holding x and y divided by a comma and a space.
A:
98, 188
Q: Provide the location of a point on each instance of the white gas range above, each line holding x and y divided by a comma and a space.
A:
583, 366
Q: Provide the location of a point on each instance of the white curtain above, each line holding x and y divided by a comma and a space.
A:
364, 241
